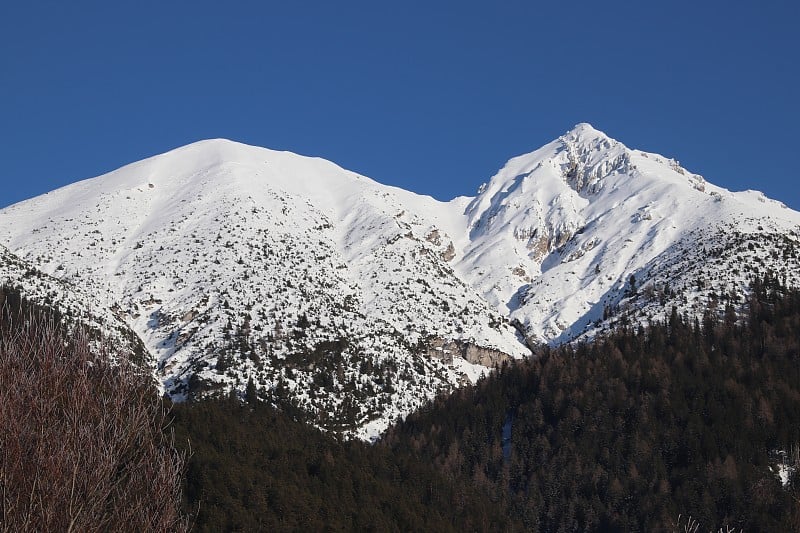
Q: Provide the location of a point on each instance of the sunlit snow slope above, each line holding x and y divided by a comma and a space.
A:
72, 305
354, 301
556, 235
329, 291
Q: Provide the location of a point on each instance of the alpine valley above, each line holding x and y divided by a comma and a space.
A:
236, 268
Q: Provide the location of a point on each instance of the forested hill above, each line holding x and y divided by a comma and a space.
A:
638, 431
252, 468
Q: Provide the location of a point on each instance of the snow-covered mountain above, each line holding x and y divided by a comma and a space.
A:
557, 235
73, 305
234, 263
354, 301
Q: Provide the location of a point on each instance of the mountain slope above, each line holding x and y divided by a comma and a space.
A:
236, 263
70, 303
356, 302
565, 228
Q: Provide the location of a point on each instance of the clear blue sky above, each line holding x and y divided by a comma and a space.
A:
430, 96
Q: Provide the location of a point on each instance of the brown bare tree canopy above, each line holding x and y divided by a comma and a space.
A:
82, 441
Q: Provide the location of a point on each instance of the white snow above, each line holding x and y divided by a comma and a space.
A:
219, 248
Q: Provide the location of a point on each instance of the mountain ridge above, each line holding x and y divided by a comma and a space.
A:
356, 302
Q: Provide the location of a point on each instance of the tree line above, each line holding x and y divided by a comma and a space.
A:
660, 427
633, 430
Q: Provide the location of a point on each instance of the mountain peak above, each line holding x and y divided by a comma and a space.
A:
218, 148
216, 142
585, 129
586, 135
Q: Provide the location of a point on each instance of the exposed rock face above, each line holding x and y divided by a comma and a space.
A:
539, 247
521, 273
443, 350
446, 349
484, 356
434, 237
449, 253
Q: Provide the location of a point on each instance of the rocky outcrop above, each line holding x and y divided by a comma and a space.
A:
449, 253
446, 349
488, 357
434, 237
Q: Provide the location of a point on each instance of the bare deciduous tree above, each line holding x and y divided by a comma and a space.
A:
82, 441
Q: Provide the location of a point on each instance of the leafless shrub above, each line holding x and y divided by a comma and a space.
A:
687, 524
690, 525
82, 446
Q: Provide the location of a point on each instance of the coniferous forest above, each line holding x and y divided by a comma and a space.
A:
679, 423
645, 429
635, 430
252, 468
